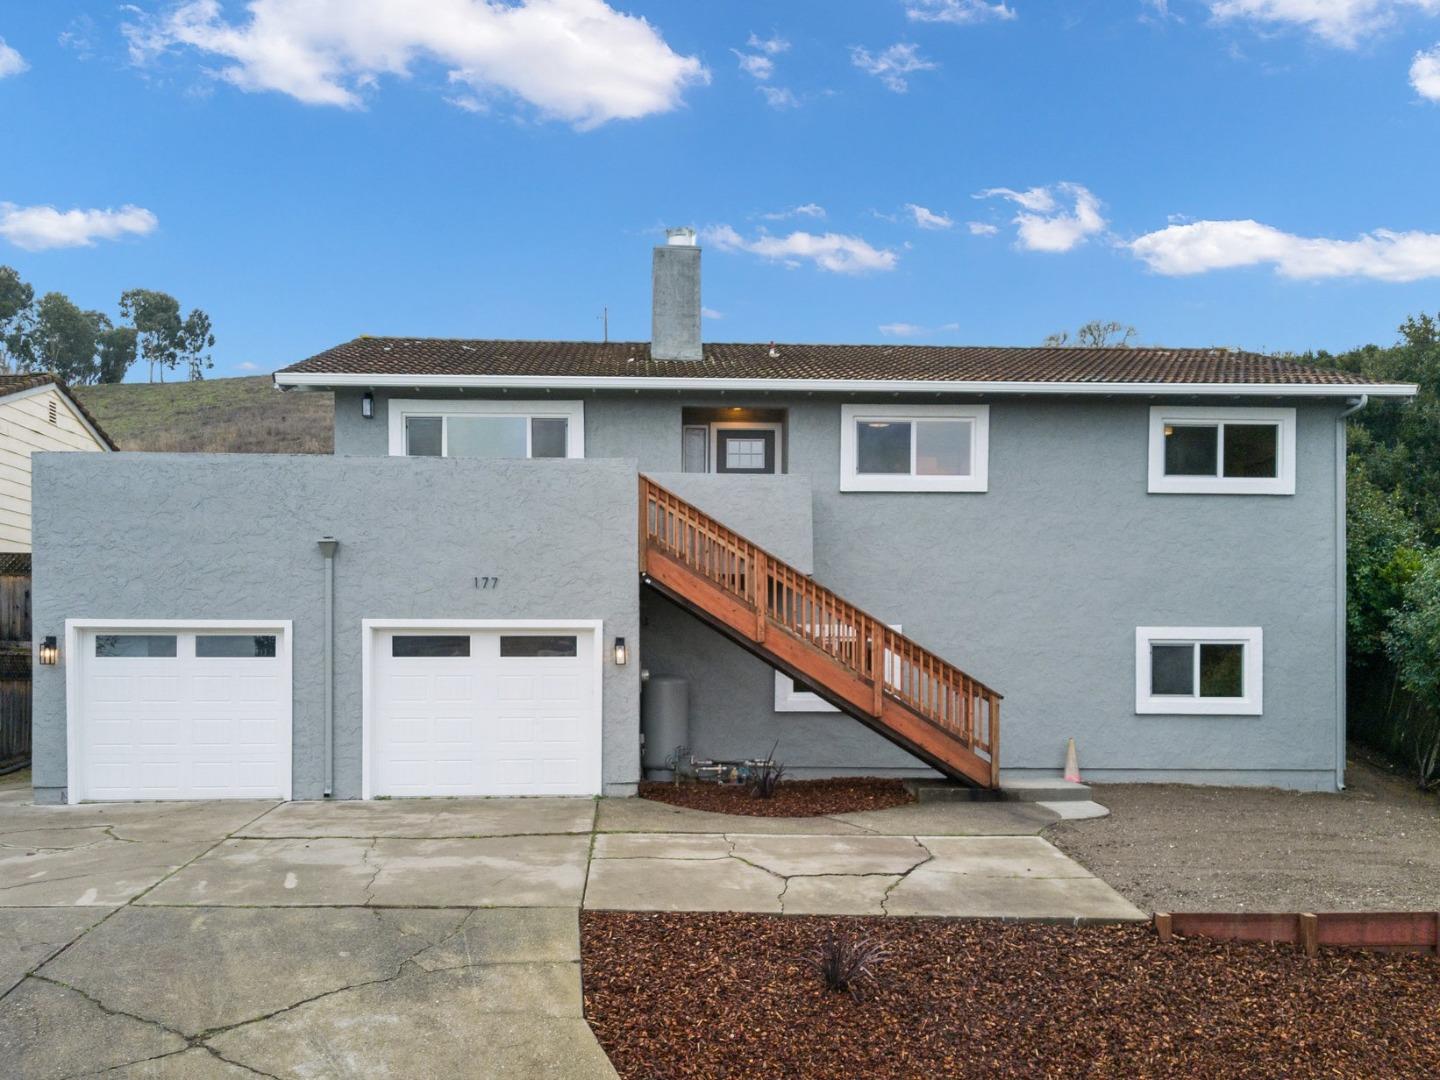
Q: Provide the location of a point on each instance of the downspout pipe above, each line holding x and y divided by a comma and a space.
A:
328, 544
1341, 583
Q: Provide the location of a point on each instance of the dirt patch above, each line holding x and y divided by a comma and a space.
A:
1169, 847
793, 798
718, 996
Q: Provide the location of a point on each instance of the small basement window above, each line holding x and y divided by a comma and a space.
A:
1238, 451
1213, 671
487, 429
914, 448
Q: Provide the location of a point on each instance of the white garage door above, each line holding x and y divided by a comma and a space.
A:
162, 712
466, 711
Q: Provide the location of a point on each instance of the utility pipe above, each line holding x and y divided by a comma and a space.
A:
1341, 587
328, 544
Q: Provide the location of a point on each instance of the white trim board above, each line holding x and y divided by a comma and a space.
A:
1161, 483
1251, 704
307, 380
73, 659
399, 409
368, 632
977, 480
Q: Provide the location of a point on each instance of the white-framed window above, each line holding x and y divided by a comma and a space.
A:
914, 447
792, 696
487, 429
1199, 670
1198, 450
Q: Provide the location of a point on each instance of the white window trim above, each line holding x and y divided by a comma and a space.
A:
75, 631
574, 411
978, 480
712, 464
1252, 637
1283, 483
789, 699
370, 630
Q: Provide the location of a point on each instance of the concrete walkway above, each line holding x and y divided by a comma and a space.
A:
427, 937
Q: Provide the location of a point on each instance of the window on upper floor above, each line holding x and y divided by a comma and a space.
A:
1208, 670
914, 447
1222, 451
487, 429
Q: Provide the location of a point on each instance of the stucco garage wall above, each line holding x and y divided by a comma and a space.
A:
171, 536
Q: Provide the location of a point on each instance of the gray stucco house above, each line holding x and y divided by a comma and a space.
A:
853, 550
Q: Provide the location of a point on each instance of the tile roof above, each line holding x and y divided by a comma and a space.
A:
16, 384
461, 357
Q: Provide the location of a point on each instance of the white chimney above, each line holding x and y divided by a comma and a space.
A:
675, 298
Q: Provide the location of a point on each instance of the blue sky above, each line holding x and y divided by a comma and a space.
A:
1259, 173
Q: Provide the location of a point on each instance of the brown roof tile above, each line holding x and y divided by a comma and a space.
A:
455, 356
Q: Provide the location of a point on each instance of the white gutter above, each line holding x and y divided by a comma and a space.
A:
320, 380
1342, 589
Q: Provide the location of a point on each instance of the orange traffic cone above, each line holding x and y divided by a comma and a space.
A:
1072, 764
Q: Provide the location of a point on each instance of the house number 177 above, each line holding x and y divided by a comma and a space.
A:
487, 582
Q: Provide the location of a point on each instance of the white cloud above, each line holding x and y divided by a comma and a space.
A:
809, 209
11, 62
756, 65
835, 252
246, 365
1202, 246
779, 97
711, 313
1425, 74
579, 61
1340, 22
957, 11
771, 46
38, 228
892, 65
760, 65
929, 219
981, 228
1054, 218
905, 329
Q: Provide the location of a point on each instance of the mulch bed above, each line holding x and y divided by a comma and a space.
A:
730, 996
793, 798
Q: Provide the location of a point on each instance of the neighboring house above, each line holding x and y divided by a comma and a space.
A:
37, 412
1142, 549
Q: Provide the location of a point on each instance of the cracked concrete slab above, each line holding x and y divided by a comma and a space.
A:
837, 894
48, 1032
521, 871
681, 885
104, 874
167, 822
953, 819
792, 855
198, 969
30, 936
424, 1024
661, 846
197, 1063
426, 818
508, 936
1001, 856
279, 873
647, 816
1059, 899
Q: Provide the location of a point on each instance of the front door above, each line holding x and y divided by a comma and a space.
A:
745, 450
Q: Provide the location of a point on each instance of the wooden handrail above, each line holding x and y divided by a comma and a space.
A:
785, 600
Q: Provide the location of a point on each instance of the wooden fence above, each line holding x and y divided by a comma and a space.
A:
15, 659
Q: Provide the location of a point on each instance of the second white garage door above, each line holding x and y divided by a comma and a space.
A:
483, 710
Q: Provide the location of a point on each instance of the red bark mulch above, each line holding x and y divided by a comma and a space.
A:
729, 996
793, 798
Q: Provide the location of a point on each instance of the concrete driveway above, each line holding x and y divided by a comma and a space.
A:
425, 938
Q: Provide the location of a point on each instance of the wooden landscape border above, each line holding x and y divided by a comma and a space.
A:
1382, 931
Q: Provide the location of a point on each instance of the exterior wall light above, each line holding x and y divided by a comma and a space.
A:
622, 652
367, 405
49, 651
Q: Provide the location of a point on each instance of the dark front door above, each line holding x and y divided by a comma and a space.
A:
745, 450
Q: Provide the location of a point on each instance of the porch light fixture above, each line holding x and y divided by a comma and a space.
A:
367, 405
49, 651
622, 652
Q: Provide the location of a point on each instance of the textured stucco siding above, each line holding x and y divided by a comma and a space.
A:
169, 536
1035, 586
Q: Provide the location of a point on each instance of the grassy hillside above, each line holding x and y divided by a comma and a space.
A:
236, 416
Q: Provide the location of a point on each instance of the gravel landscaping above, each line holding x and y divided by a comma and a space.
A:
1168, 847
727, 995
793, 798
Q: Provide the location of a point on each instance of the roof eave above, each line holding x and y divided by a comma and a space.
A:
306, 380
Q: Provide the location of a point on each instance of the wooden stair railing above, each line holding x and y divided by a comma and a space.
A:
881, 677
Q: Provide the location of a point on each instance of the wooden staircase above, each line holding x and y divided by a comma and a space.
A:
851, 659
